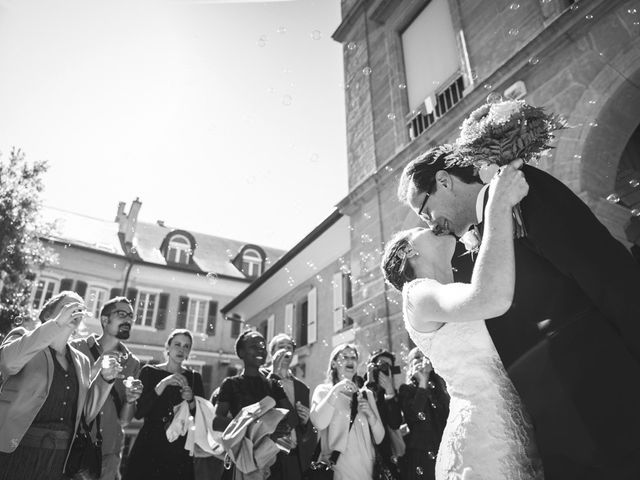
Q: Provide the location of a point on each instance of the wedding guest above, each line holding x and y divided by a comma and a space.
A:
425, 405
347, 418
116, 318
47, 388
251, 386
292, 466
165, 385
381, 368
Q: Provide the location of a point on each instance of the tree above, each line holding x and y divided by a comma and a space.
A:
22, 251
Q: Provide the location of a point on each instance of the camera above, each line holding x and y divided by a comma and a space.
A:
384, 368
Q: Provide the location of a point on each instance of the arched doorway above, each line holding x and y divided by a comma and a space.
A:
604, 147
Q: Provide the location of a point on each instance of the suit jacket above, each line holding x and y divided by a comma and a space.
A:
306, 435
112, 431
27, 367
571, 339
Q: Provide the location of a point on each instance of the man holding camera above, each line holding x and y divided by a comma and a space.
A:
381, 368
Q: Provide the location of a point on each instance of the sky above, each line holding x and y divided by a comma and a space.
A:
223, 116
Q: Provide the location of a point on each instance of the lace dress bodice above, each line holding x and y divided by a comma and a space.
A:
488, 435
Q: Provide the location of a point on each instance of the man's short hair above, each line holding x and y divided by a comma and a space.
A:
420, 173
279, 337
51, 306
110, 305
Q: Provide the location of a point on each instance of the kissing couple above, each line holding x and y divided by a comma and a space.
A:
537, 334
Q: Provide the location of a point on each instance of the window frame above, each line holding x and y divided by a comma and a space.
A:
154, 316
254, 260
96, 311
192, 328
177, 251
54, 279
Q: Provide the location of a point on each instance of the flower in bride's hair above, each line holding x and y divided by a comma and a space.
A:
471, 240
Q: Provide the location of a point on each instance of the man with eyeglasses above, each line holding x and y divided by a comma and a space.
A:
116, 318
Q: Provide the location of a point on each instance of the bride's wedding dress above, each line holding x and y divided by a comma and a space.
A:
488, 435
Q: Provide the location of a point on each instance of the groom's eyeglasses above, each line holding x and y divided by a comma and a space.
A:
421, 214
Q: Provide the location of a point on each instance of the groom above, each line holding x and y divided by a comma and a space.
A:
571, 339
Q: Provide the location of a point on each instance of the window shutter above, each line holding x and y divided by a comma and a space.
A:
338, 304
288, 319
132, 293
235, 328
66, 284
347, 297
81, 288
161, 318
312, 315
115, 292
271, 327
207, 379
183, 306
212, 318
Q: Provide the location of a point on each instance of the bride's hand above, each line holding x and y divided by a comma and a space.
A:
509, 186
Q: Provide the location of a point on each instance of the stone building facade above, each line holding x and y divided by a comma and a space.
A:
414, 69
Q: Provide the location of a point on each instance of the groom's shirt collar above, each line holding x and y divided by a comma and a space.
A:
480, 204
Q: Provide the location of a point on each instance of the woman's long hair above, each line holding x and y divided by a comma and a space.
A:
332, 372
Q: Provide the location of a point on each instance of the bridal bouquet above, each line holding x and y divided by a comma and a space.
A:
498, 133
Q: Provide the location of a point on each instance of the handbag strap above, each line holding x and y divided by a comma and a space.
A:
335, 455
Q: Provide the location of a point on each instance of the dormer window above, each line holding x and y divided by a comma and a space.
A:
251, 263
179, 250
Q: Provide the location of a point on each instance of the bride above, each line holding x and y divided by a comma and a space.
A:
488, 434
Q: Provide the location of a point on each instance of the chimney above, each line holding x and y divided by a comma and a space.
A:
120, 213
127, 223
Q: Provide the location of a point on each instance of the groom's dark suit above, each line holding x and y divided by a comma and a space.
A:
571, 340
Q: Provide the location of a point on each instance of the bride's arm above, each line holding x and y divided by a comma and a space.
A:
490, 292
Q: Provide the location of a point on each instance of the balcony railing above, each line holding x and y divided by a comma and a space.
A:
427, 114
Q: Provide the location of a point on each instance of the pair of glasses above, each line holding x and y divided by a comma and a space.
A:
122, 314
427, 193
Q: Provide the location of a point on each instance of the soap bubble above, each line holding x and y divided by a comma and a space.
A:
212, 278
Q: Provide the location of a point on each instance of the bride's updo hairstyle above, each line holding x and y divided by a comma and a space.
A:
395, 266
